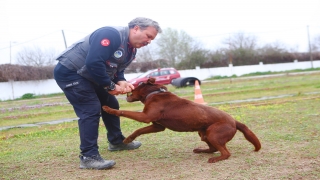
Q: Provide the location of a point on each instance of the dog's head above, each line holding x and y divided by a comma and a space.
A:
143, 90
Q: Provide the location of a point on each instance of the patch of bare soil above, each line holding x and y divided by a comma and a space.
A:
276, 160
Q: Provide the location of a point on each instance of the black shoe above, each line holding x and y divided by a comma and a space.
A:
123, 146
95, 162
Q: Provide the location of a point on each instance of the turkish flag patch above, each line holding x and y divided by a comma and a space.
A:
105, 42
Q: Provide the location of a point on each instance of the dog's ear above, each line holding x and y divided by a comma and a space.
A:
151, 80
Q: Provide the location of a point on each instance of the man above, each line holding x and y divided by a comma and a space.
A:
91, 72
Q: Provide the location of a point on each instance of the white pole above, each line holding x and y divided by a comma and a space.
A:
310, 49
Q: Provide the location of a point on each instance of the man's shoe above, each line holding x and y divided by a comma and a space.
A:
95, 162
123, 146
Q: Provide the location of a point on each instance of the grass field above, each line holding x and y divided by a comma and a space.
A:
284, 113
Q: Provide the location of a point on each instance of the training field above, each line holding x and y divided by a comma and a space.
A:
283, 111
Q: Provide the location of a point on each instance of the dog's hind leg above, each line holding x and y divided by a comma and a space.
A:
203, 136
145, 130
218, 135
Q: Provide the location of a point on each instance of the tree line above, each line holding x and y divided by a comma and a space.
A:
172, 48
15, 72
183, 52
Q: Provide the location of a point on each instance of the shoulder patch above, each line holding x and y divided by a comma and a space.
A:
105, 42
118, 54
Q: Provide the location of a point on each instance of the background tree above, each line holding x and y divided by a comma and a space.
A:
274, 53
217, 58
37, 57
316, 44
241, 48
144, 54
174, 46
196, 57
145, 61
17, 72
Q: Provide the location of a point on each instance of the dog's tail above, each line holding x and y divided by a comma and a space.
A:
249, 135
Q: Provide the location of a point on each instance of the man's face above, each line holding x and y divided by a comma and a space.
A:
139, 38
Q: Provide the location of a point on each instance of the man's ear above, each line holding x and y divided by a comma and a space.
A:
136, 28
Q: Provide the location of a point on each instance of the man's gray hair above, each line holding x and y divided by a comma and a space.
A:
143, 23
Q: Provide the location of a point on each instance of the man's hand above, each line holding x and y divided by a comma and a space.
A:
126, 87
122, 87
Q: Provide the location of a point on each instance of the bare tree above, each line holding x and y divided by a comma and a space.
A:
272, 48
241, 41
316, 43
274, 53
216, 58
241, 48
36, 56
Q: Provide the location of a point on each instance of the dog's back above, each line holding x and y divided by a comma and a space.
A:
183, 115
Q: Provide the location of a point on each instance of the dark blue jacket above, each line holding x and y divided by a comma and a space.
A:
100, 57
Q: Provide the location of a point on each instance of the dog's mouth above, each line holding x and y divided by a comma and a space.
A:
131, 97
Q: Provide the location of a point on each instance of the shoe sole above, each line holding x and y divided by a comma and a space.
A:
102, 168
122, 149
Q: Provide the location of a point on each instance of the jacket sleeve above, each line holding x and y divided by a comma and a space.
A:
103, 43
119, 77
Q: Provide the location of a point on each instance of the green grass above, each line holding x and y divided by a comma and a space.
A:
288, 128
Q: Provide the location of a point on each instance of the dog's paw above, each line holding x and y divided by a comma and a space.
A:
106, 108
127, 140
216, 159
109, 110
219, 158
213, 160
198, 150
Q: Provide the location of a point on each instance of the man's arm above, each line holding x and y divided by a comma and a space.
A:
103, 43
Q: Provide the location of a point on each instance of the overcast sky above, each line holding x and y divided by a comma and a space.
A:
40, 22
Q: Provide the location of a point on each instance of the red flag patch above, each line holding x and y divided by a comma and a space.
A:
105, 42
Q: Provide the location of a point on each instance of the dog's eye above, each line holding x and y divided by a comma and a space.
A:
129, 94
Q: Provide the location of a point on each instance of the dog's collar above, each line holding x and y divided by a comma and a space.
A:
154, 92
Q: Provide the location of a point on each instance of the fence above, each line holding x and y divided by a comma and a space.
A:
12, 90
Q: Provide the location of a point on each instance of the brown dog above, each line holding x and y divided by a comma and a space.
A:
166, 110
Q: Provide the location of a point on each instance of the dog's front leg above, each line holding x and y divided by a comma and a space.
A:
138, 116
145, 130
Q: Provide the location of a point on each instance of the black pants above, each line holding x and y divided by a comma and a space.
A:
87, 100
